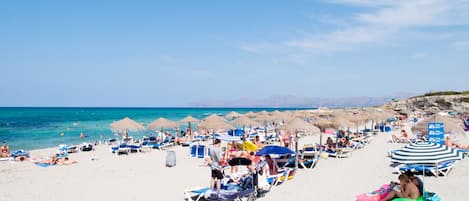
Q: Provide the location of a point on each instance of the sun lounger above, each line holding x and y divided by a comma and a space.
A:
18, 153
86, 147
436, 170
194, 194
121, 149
340, 153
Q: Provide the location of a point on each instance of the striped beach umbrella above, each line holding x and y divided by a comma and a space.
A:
423, 153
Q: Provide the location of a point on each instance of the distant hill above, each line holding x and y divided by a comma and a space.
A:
296, 101
442, 101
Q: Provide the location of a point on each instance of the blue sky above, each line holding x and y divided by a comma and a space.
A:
170, 53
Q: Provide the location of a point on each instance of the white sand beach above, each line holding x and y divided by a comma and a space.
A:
143, 176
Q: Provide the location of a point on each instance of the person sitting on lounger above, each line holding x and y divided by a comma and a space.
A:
330, 144
407, 189
4, 150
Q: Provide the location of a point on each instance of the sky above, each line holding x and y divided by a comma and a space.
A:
171, 53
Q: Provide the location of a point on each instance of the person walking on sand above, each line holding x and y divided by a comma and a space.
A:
214, 162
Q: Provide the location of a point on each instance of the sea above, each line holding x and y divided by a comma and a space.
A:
31, 128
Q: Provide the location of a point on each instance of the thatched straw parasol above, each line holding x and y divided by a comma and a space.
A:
452, 125
161, 123
341, 122
232, 115
263, 112
263, 118
280, 116
214, 122
189, 119
298, 124
126, 124
250, 114
245, 121
324, 124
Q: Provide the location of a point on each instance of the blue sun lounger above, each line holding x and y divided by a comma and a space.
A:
195, 194
443, 168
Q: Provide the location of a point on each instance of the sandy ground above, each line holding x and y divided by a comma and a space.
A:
143, 176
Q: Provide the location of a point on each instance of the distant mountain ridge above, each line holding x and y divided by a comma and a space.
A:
297, 101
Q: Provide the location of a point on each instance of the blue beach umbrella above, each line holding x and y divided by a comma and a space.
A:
425, 153
274, 149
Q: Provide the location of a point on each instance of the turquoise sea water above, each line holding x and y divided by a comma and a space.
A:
35, 128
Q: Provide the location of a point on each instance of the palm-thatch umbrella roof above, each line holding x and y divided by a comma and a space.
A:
245, 121
214, 122
452, 125
263, 118
250, 114
341, 122
263, 112
232, 115
281, 116
298, 124
324, 124
161, 123
126, 124
189, 119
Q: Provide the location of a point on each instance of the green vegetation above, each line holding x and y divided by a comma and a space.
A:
443, 93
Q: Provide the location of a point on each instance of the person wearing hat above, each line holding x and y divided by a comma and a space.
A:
4, 150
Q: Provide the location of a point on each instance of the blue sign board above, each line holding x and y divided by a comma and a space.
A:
436, 133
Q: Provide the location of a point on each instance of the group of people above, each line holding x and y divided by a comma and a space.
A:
217, 161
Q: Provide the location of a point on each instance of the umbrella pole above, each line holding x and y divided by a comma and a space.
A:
296, 149
190, 129
244, 138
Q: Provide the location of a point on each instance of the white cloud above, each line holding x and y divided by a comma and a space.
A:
384, 23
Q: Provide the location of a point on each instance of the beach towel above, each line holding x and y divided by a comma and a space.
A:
43, 164
408, 199
375, 195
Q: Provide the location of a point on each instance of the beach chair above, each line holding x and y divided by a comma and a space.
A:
201, 151
111, 141
193, 151
18, 153
194, 194
340, 153
134, 148
121, 149
443, 168
86, 147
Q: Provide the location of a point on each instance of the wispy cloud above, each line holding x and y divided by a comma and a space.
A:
384, 23
256, 47
460, 44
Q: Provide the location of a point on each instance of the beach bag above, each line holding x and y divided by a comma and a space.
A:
170, 159
375, 195
429, 196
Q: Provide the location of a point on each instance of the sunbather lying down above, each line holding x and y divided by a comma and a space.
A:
55, 160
